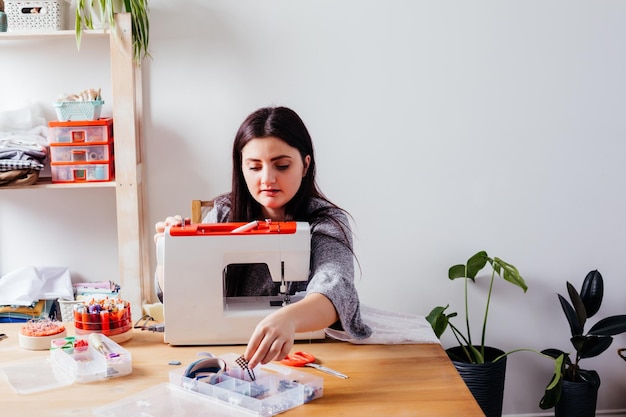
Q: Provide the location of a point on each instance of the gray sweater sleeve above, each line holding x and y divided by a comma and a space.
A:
332, 272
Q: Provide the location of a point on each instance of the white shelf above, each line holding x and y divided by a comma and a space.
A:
51, 34
126, 82
46, 183
47, 35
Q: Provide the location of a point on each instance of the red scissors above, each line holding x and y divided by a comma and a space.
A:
306, 359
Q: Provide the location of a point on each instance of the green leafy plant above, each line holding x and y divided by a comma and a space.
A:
440, 321
584, 305
106, 10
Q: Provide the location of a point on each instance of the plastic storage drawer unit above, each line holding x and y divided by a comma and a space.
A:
82, 151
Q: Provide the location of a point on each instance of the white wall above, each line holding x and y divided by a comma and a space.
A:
443, 127
75, 228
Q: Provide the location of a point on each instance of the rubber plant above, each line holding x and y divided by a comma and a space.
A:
583, 306
440, 320
106, 10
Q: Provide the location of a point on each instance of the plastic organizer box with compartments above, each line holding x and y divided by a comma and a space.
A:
36, 16
275, 389
94, 132
72, 359
230, 393
81, 151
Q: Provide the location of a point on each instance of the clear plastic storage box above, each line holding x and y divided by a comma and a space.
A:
86, 131
90, 364
82, 172
67, 364
276, 388
78, 153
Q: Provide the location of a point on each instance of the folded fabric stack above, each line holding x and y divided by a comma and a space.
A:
23, 146
20, 314
87, 291
21, 160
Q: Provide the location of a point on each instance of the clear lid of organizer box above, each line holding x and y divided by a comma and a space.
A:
166, 400
65, 366
35, 376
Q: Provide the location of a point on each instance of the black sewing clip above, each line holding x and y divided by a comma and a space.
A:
243, 363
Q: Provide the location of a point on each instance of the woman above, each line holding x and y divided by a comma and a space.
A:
274, 178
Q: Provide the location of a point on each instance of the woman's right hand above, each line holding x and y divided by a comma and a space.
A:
169, 221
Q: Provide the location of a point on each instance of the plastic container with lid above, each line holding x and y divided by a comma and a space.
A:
68, 364
275, 389
86, 363
81, 132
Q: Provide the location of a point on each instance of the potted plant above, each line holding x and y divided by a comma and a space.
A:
90, 11
573, 390
481, 367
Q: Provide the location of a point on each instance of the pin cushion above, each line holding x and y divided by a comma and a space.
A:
37, 334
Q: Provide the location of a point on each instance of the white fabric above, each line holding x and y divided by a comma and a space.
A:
390, 328
35, 139
24, 286
23, 126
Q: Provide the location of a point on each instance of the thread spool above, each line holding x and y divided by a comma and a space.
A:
3, 21
99, 173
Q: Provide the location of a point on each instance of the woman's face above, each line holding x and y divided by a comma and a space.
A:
273, 171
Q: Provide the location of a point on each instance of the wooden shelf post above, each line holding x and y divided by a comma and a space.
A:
127, 121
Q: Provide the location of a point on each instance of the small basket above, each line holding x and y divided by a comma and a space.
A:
33, 16
78, 110
67, 309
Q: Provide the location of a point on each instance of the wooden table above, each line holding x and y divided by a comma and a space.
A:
384, 380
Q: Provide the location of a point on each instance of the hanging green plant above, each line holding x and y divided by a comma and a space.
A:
90, 11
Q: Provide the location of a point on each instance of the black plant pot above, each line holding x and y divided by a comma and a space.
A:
578, 399
485, 381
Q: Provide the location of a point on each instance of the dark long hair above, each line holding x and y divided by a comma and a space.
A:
285, 124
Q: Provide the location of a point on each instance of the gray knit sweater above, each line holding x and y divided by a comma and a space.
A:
332, 267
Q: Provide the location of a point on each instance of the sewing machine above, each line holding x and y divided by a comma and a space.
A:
194, 257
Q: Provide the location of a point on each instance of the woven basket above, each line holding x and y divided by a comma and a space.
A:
67, 309
50, 15
78, 110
